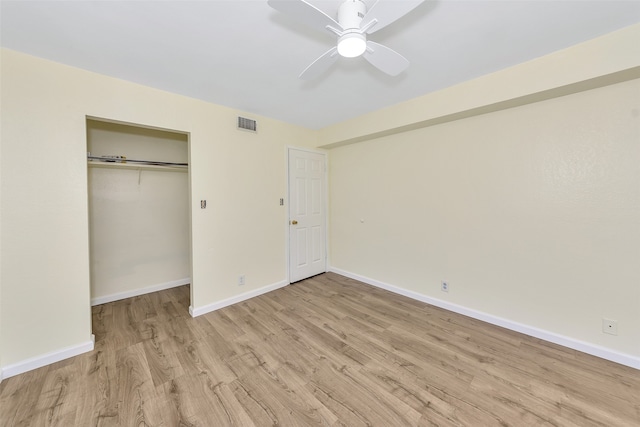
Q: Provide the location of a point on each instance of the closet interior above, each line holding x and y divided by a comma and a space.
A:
139, 219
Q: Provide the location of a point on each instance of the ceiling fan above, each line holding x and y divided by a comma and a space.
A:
353, 24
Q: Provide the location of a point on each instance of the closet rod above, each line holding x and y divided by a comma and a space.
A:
122, 159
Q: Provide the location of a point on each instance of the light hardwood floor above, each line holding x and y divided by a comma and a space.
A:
325, 351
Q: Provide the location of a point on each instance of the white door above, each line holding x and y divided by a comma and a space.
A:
307, 216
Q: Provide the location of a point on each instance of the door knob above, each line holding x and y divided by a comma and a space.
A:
294, 222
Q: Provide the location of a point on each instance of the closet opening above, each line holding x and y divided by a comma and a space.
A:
139, 214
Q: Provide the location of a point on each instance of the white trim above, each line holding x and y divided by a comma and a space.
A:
198, 311
47, 358
134, 293
287, 228
308, 150
585, 347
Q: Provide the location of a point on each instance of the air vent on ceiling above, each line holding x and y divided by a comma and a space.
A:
247, 124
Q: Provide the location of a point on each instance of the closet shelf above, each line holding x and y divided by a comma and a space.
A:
136, 166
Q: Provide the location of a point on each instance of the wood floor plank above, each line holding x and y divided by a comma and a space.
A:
201, 400
162, 357
262, 412
411, 393
98, 404
137, 403
338, 389
175, 406
199, 357
325, 343
287, 405
327, 351
57, 403
223, 324
19, 395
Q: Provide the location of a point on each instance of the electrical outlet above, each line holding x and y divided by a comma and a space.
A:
609, 326
241, 280
444, 286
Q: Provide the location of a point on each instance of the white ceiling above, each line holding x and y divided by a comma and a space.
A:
245, 55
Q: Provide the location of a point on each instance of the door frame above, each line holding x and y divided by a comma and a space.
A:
325, 202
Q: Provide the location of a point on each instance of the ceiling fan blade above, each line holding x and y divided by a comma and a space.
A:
306, 12
321, 64
386, 60
387, 12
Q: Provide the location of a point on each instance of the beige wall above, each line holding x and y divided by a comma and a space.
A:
45, 242
611, 58
530, 214
138, 219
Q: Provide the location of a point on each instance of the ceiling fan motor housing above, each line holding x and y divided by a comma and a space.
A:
350, 14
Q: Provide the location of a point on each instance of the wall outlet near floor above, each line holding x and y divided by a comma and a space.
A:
241, 280
609, 326
444, 286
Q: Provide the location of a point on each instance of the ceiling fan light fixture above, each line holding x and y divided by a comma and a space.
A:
351, 45
355, 21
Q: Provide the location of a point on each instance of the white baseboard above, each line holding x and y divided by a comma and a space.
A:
592, 349
134, 293
47, 359
197, 311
